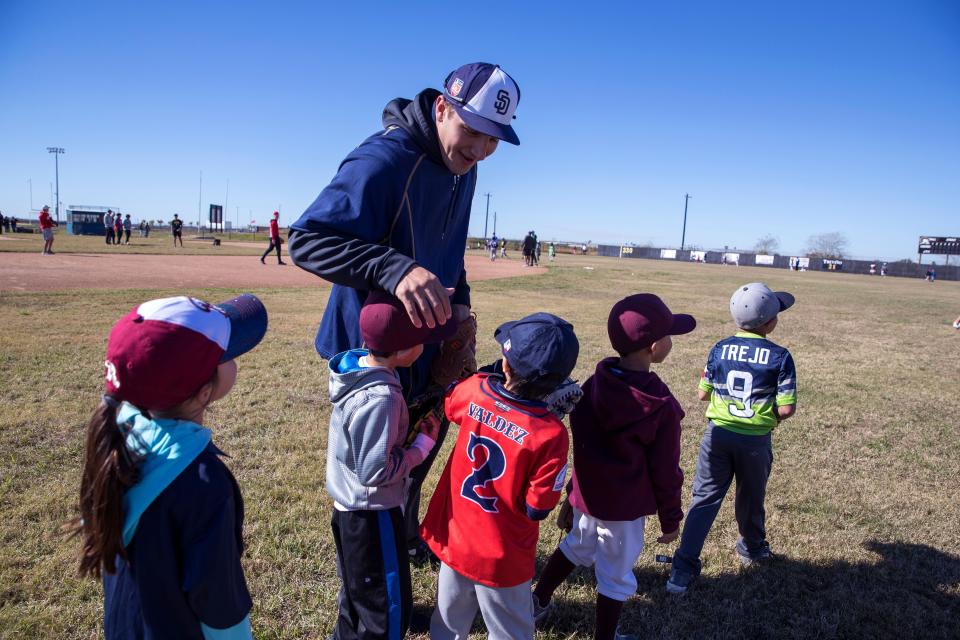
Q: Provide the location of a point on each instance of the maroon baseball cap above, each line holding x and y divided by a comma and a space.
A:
385, 325
639, 320
164, 351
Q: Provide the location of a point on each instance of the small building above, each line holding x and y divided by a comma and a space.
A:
83, 220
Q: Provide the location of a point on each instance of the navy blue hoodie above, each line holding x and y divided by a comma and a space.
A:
392, 205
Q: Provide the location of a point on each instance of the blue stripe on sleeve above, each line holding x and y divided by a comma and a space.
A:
391, 573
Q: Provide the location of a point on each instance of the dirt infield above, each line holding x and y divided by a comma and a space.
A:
65, 271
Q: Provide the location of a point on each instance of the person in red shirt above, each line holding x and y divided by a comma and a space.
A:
275, 240
505, 474
46, 228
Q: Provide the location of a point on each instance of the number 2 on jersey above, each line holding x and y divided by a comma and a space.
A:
741, 392
491, 469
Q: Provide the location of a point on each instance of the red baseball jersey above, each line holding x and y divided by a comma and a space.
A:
274, 229
506, 472
46, 222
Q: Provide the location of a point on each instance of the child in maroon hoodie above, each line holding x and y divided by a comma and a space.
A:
626, 460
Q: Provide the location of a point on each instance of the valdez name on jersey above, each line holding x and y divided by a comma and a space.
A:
505, 473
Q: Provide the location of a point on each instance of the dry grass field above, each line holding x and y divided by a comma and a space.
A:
862, 504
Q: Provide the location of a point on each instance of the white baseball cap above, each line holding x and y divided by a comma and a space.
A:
486, 98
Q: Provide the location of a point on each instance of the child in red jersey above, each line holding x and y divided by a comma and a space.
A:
505, 474
626, 461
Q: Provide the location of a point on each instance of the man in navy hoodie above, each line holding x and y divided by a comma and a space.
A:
395, 219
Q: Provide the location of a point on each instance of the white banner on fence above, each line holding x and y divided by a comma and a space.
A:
764, 259
731, 258
668, 254
698, 256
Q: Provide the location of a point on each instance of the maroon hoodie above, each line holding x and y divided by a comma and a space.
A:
626, 447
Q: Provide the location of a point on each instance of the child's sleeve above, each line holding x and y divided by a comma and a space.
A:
666, 477
706, 379
787, 381
211, 576
379, 457
547, 477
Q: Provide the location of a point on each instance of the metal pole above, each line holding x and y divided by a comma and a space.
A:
683, 238
226, 201
486, 220
30, 180
494, 223
56, 168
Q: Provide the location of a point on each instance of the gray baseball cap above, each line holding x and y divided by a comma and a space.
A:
755, 304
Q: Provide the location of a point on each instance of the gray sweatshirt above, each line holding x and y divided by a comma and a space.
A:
367, 463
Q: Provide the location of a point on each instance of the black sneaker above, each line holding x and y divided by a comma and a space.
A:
764, 557
420, 554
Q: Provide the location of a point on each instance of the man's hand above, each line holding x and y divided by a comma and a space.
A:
669, 537
424, 296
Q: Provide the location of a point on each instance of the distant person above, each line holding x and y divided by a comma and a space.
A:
751, 385
109, 233
583, 249
527, 249
140, 227
127, 227
883, 269
176, 228
3, 223
536, 255
275, 239
552, 251
13, 224
873, 268
46, 228
503, 248
118, 229
492, 248
146, 229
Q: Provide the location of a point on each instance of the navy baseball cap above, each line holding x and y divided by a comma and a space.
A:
485, 97
539, 346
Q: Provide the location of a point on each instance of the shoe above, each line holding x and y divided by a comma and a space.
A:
624, 636
51, 253
420, 555
764, 557
281, 262
262, 262
540, 612
679, 582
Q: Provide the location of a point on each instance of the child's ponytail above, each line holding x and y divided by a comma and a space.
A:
109, 469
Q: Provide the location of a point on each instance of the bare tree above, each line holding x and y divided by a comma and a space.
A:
767, 244
827, 245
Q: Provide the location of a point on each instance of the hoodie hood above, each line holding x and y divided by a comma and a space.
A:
416, 118
619, 398
348, 377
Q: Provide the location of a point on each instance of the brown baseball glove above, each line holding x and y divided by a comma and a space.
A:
458, 354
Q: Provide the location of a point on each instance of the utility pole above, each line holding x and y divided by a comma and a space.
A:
494, 223
56, 151
200, 204
683, 238
226, 201
30, 180
487, 219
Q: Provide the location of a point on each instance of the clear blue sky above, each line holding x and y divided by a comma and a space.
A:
787, 118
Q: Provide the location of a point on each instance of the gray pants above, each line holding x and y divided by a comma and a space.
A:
507, 611
725, 455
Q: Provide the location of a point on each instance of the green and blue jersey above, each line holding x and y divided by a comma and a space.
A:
749, 376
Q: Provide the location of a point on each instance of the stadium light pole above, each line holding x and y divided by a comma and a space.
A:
486, 220
56, 151
683, 237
